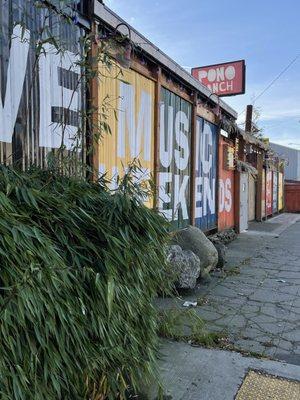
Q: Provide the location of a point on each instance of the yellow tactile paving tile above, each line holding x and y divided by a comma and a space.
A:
258, 386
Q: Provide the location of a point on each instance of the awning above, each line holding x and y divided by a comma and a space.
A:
243, 166
233, 129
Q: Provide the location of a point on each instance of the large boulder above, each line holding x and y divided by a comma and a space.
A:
185, 266
193, 239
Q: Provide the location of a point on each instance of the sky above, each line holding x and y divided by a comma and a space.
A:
266, 33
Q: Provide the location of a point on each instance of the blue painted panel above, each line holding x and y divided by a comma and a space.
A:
206, 175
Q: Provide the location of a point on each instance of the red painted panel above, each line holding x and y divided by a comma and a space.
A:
226, 191
292, 196
269, 192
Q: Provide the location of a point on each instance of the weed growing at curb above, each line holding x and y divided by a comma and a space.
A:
186, 326
233, 271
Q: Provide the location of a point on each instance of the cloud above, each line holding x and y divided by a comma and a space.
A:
272, 105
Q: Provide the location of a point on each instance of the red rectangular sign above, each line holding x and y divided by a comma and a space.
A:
225, 79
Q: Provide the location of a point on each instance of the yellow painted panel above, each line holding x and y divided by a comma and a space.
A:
280, 191
126, 104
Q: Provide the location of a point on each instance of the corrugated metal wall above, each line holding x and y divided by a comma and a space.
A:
292, 156
263, 194
269, 193
41, 97
206, 175
174, 158
128, 108
280, 191
226, 191
251, 197
275, 191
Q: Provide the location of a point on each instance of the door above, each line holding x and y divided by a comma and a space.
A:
243, 201
251, 196
275, 191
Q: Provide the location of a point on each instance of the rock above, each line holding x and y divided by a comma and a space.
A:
221, 249
193, 239
185, 267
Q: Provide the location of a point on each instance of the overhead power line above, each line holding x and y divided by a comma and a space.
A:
273, 81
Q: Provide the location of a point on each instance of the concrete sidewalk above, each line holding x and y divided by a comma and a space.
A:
254, 302
190, 373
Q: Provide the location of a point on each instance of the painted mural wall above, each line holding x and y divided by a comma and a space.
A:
226, 189
40, 96
275, 191
206, 175
280, 191
269, 192
127, 100
263, 194
174, 158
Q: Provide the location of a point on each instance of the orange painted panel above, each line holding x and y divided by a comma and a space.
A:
226, 191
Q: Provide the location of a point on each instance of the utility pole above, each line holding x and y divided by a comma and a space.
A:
259, 166
248, 122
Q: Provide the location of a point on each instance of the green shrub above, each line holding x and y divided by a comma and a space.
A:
80, 267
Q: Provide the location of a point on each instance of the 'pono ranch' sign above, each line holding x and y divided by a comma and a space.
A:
225, 79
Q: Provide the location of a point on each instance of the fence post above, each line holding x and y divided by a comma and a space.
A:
193, 160
156, 136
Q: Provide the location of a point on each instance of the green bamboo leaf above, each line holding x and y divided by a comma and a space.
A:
110, 294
